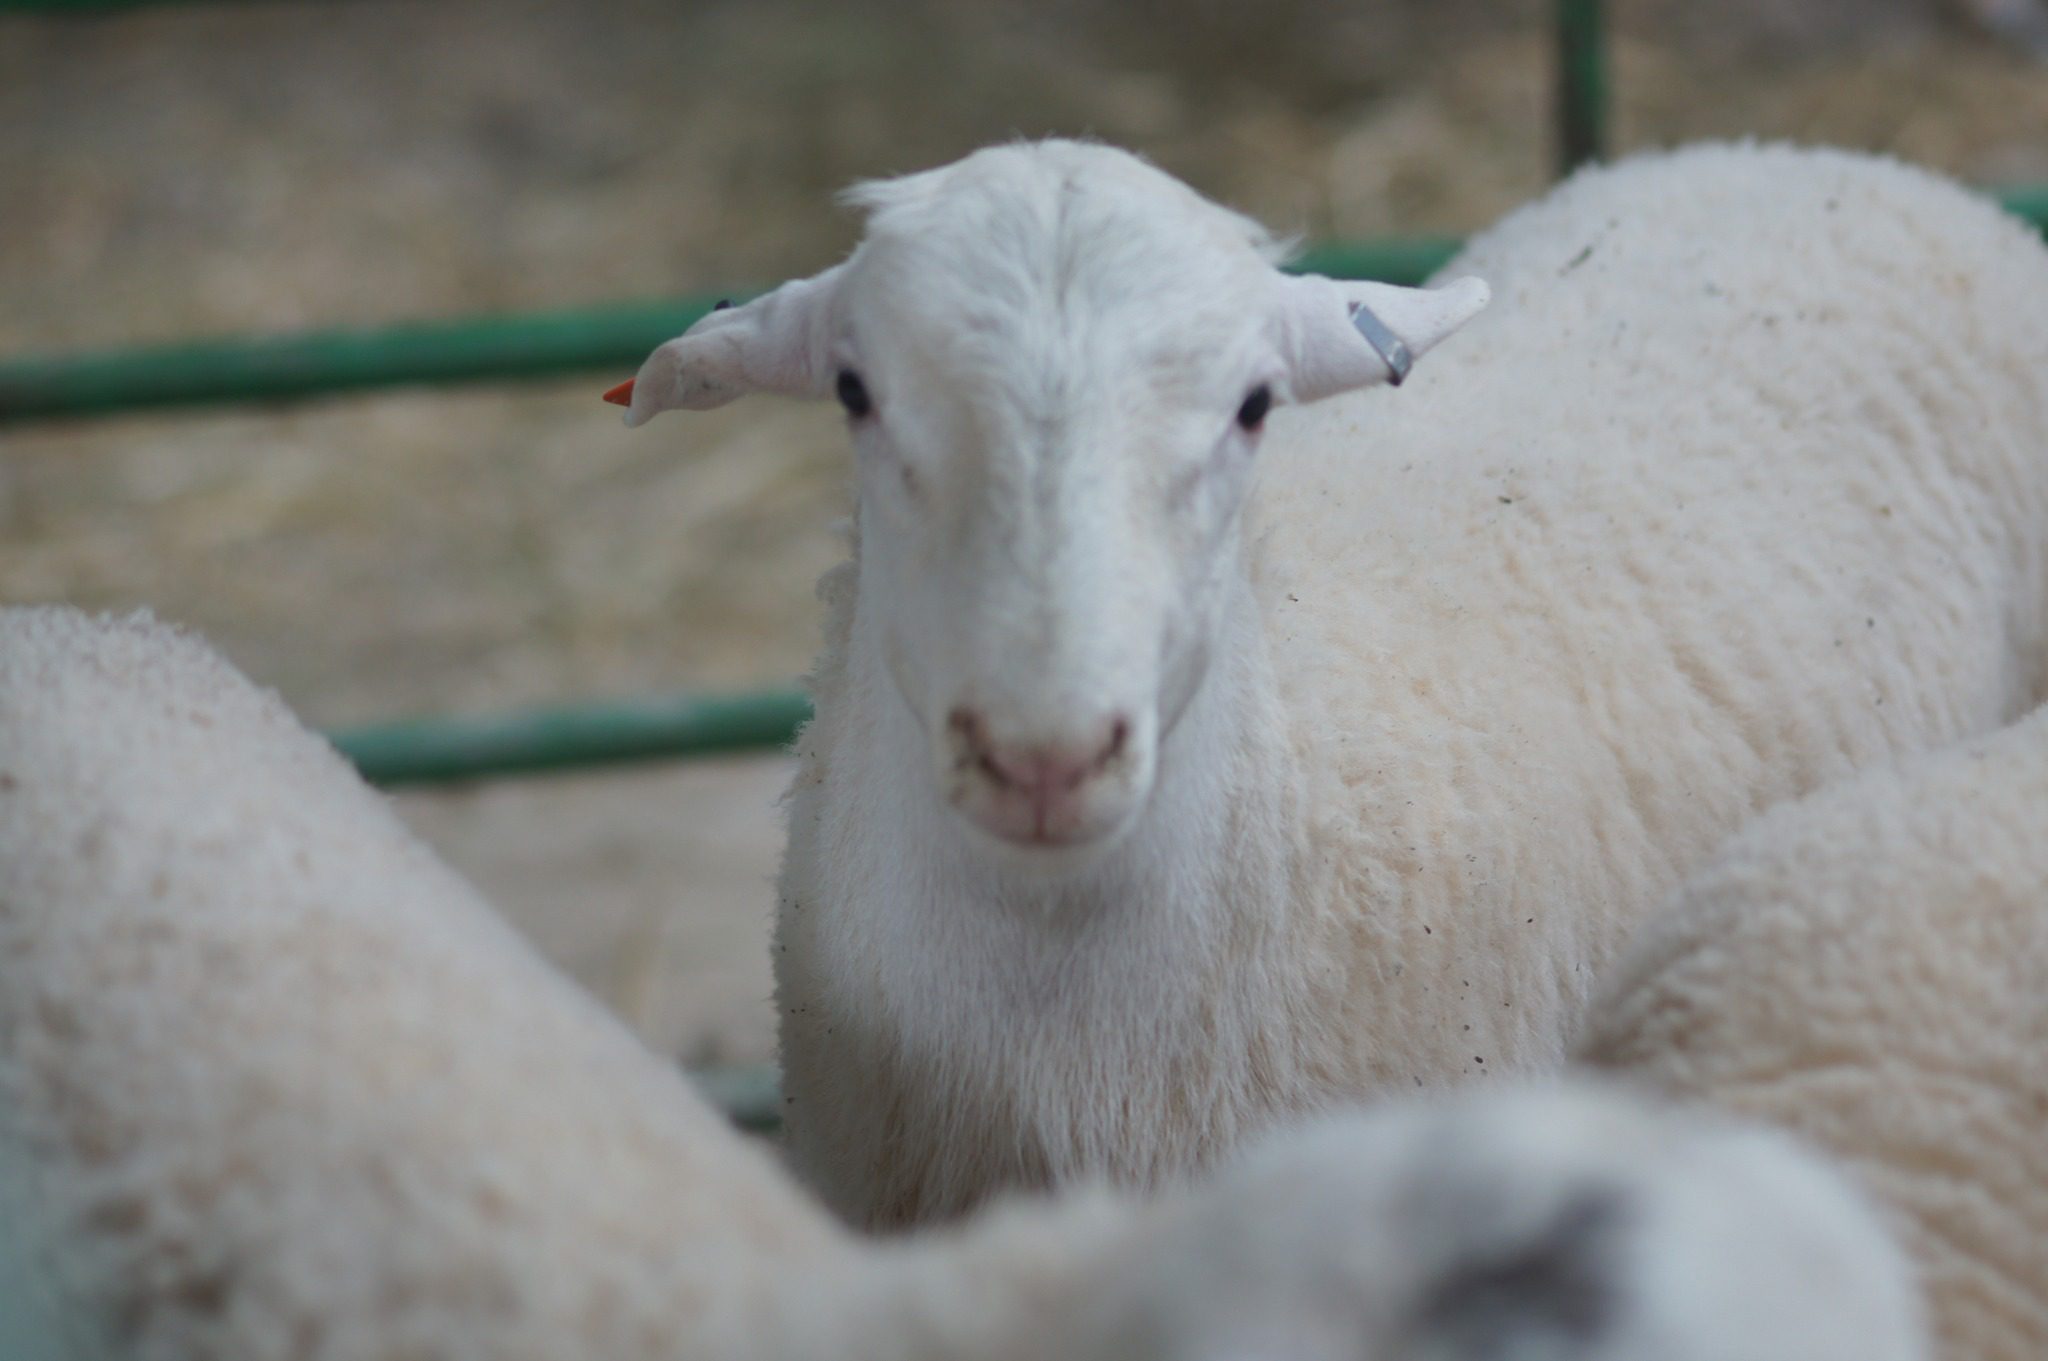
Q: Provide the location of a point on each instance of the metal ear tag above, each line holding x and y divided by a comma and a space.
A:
1392, 350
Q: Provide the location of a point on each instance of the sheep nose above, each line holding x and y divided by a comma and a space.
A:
1045, 769
1041, 784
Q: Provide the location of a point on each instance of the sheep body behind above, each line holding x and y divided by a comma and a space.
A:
1738, 487
1868, 968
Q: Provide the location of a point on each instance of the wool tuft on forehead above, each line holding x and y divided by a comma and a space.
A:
1044, 256
1029, 215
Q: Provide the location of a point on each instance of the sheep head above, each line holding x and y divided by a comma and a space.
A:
1056, 364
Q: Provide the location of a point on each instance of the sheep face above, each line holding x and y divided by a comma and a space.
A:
1056, 363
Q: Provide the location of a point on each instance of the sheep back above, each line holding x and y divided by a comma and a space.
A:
1869, 968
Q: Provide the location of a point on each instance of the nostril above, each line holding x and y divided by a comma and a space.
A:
970, 739
996, 774
1119, 735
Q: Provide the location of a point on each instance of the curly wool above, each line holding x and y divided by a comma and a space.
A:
1869, 969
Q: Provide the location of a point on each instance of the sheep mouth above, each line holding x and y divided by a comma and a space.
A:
1076, 816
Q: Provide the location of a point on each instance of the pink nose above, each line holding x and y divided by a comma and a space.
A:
1040, 786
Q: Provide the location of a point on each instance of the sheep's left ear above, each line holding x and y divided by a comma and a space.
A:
777, 343
1339, 335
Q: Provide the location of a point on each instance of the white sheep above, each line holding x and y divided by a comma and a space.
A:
1869, 968
1152, 800
275, 1084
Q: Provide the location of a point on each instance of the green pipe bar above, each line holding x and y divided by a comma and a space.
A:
453, 750
611, 340
1581, 84
751, 1097
1391, 260
2029, 203
462, 350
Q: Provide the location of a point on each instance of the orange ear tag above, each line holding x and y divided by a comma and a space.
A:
622, 395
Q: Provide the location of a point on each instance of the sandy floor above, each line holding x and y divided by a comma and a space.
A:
651, 887
184, 170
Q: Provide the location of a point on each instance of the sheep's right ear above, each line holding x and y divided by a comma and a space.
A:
779, 343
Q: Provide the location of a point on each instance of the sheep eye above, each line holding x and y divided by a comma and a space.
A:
1256, 404
853, 394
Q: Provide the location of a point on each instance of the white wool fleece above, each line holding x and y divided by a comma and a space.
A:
1869, 969
1738, 486
282, 1085
277, 1086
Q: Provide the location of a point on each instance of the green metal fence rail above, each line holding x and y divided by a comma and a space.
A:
449, 750
750, 1096
1581, 83
463, 350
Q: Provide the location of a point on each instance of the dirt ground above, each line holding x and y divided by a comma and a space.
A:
193, 169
